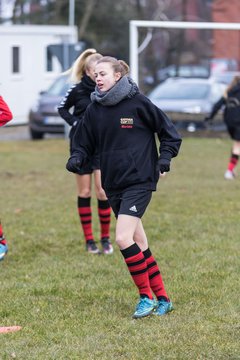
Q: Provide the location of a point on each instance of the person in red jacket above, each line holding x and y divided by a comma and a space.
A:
5, 112
5, 116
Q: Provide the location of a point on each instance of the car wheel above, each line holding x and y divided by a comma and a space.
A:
36, 135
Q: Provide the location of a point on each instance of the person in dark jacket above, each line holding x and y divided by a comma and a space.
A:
121, 123
231, 103
5, 116
78, 98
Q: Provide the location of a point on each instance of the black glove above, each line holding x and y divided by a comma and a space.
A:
73, 164
163, 165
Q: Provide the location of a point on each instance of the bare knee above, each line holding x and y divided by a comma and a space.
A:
85, 193
84, 185
236, 147
100, 193
123, 240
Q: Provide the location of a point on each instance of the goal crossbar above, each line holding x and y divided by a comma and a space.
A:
135, 24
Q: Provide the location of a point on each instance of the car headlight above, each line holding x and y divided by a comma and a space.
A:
193, 109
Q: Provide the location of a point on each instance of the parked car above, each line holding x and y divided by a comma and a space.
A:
187, 101
226, 77
185, 71
43, 116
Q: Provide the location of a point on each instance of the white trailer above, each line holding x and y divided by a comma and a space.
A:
26, 67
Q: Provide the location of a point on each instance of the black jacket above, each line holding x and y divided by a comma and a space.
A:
78, 97
125, 137
231, 106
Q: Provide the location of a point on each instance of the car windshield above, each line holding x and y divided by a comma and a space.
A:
180, 91
59, 87
185, 71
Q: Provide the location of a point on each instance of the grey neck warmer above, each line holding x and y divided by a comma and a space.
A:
124, 88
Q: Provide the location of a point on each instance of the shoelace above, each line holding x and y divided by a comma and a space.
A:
141, 304
162, 306
163, 303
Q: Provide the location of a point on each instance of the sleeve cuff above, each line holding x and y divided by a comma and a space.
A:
166, 155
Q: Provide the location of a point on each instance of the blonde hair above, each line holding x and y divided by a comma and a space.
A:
83, 63
117, 65
233, 83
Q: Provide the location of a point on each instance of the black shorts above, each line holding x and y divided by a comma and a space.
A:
234, 132
130, 202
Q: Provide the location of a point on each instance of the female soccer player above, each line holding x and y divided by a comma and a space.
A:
231, 103
121, 123
78, 97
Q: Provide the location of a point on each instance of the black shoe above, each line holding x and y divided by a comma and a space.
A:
92, 247
106, 246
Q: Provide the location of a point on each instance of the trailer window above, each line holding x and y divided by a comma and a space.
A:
15, 59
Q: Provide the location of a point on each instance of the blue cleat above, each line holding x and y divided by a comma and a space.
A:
163, 307
145, 307
3, 251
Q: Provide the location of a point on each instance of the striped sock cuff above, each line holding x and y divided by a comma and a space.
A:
132, 250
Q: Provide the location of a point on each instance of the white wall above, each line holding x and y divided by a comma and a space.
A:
20, 90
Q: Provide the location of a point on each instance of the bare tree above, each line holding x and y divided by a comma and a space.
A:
18, 11
86, 17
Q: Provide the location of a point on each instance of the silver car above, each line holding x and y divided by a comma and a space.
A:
43, 116
188, 101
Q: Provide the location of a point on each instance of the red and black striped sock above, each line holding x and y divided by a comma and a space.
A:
155, 277
104, 213
2, 238
85, 214
233, 162
137, 267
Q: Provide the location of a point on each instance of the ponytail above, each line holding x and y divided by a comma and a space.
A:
82, 63
233, 83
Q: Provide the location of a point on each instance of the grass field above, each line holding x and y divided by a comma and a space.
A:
73, 305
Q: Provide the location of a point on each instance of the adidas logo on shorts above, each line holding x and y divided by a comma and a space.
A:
133, 208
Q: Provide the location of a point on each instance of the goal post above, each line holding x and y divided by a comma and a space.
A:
135, 24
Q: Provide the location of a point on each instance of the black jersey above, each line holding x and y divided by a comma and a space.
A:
78, 98
125, 137
231, 114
